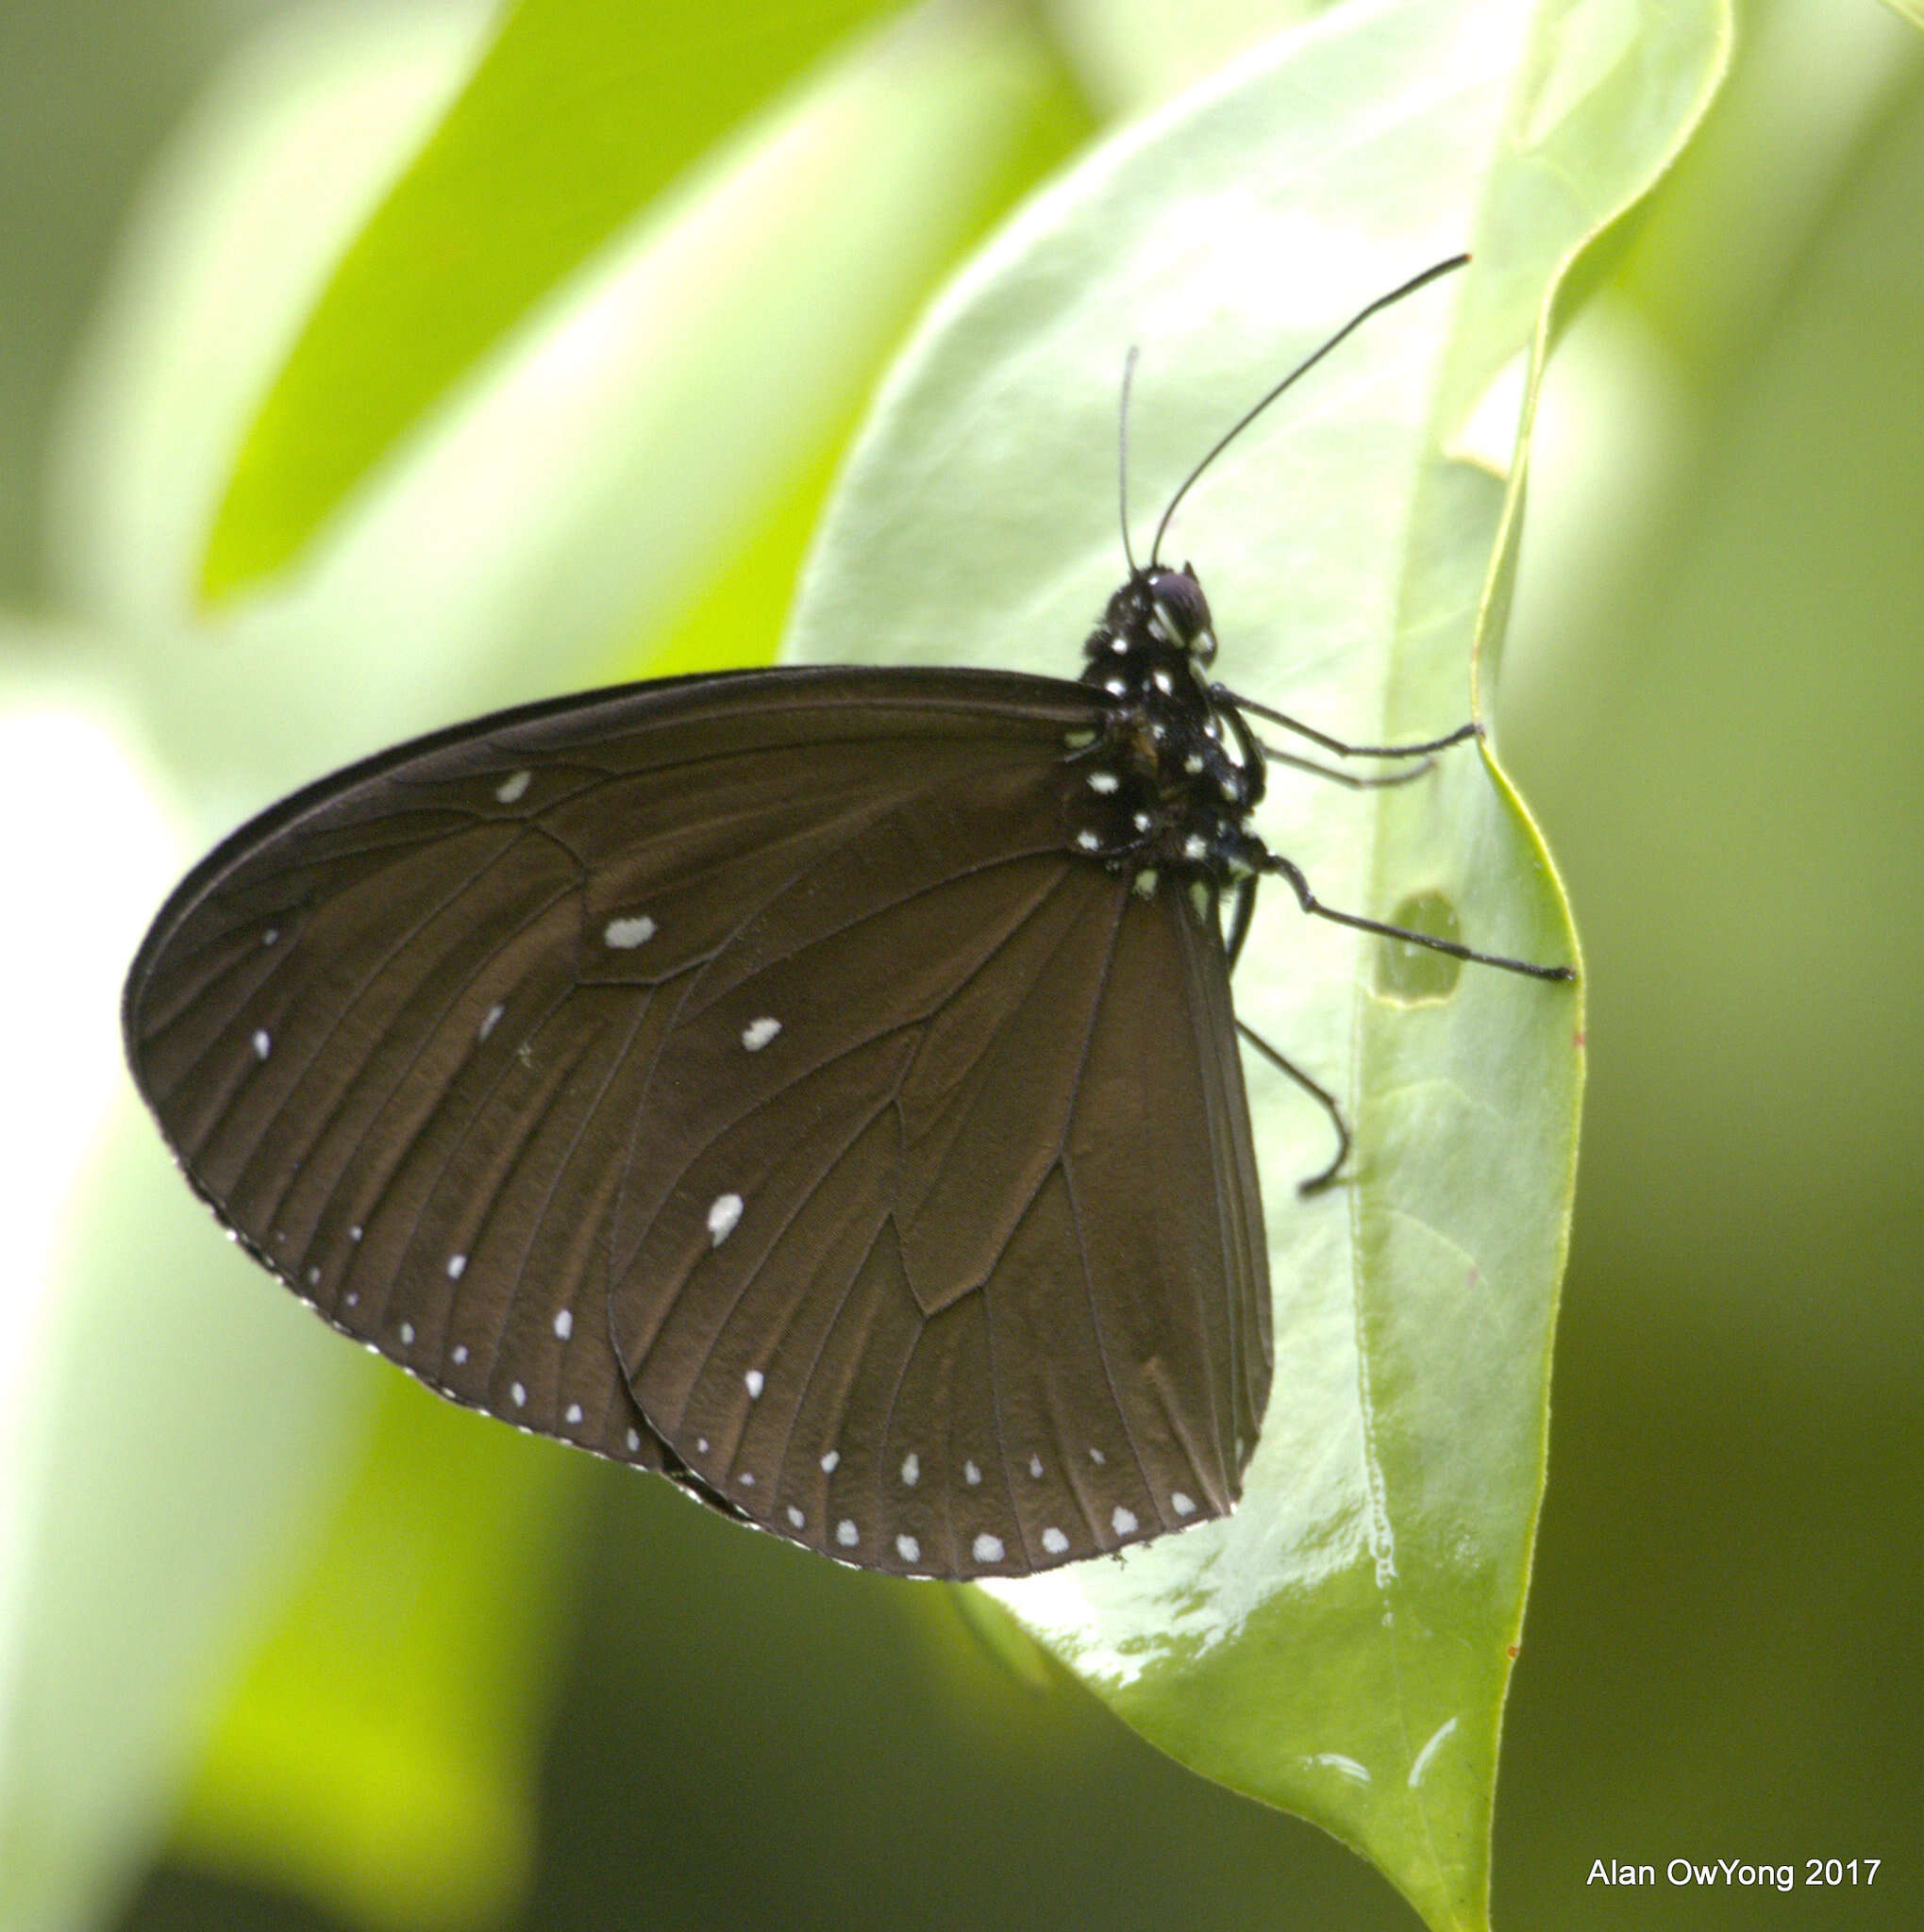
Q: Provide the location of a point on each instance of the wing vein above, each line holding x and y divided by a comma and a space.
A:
379, 971
616, 1062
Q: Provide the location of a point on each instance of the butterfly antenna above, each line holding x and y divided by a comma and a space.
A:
1302, 368
1129, 370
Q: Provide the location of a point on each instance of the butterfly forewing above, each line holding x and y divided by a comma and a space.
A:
744, 1073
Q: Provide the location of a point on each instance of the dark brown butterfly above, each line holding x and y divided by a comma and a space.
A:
819, 1084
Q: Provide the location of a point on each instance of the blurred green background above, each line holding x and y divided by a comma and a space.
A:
1714, 698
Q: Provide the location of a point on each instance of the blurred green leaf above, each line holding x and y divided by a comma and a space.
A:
1911, 11
616, 463
184, 1428
645, 448
1341, 1647
383, 1752
580, 114
1129, 59
1815, 90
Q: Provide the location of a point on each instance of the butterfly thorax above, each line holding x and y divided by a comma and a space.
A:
1173, 776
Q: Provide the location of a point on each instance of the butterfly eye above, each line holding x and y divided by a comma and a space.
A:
1183, 611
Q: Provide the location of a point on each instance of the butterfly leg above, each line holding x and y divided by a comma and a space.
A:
1282, 868
1222, 695
1379, 781
1240, 916
1318, 1181
1257, 757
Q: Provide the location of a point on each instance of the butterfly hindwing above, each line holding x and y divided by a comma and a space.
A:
922, 1257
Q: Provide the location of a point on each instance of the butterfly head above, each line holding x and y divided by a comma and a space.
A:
1160, 608
1178, 613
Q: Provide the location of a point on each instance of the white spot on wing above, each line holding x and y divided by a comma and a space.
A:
460, 1354
846, 1534
747, 1479
1054, 1542
313, 1277
625, 934
758, 1033
1182, 1503
489, 1020
634, 1442
457, 1267
565, 1324
406, 1334
574, 1414
753, 1383
909, 1549
1035, 1467
1194, 846
263, 1045
270, 936
354, 1234
1103, 781
1078, 741
1096, 1457
830, 1460
511, 786
1145, 883
971, 1474
912, 1469
724, 1211
1088, 842
1124, 1521
518, 1396
796, 1516
988, 1549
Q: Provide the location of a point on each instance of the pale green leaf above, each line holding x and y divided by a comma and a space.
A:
1341, 1647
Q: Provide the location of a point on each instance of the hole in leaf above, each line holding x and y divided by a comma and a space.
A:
1412, 975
